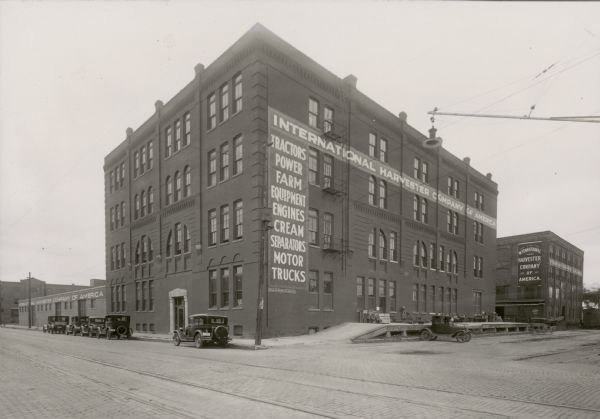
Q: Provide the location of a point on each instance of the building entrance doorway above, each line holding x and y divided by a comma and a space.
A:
179, 314
178, 308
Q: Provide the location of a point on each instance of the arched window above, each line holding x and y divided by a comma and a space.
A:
423, 210
416, 258
187, 241
137, 254
136, 207
187, 186
383, 251
454, 262
169, 191
178, 238
144, 249
150, 250
372, 243
382, 194
423, 254
416, 208
169, 244
144, 203
177, 186
372, 190
150, 200
449, 262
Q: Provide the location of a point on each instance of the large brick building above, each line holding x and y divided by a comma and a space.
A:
539, 275
268, 166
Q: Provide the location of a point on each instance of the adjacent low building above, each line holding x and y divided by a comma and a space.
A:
85, 301
539, 275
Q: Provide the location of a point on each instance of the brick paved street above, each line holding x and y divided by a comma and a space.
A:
49, 376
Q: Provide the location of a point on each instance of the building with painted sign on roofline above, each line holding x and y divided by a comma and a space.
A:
90, 301
270, 185
539, 275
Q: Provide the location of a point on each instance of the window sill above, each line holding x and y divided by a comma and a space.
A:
314, 309
237, 308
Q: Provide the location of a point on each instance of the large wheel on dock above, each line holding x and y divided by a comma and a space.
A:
462, 337
426, 334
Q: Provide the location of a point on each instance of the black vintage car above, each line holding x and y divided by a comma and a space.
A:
56, 324
443, 325
75, 326
115, 325
203, 329
92, 327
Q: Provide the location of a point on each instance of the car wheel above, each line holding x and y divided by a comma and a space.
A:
122, 331
199, 343
176, 340
426, 334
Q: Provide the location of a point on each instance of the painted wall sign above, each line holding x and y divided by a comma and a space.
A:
529, 259
74, 297
288, 200
306, 136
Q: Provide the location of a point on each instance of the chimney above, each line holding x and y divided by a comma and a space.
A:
158, 105
351, 80
199, 69
467, 161
432, 132
402, 115
489, 176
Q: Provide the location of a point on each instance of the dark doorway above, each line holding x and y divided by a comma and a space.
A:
179, 315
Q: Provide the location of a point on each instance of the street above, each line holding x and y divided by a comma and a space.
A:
57, 376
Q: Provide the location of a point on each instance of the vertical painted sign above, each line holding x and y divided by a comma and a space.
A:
288, 200
529, 260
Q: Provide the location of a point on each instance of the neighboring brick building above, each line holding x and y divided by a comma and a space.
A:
12, 292
266, 165
84, 301
539, 275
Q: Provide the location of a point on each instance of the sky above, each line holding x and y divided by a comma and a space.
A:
75, 75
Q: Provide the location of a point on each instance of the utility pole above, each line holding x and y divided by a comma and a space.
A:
29, 297
260, 302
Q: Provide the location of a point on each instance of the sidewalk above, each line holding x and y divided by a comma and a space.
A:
340, 334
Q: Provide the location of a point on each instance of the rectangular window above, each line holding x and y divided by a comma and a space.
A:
224, 111
328, 291
238, 219
212, 168
383, 150
371, 293
123, 173
313, 113
123, 299
123, 213
212, 111
168, 142
477, 302
177, 145
371, 244
313, 166
224, 162
224, 287
393, 246
238, 155
313, 227
138, 296
150, 155
187, 138
422, 298
144, 155
144, 296
372, 190
455, 300
382, 194
327, 230
237, 93
425, 172
327, 171
212, 227
382, 296
327, 119
224, 223
136, 164
151, 295
392, 295
432, 254
372, 144
238, 291
313, 289
212, 288
360, 293
453, 187
431, 299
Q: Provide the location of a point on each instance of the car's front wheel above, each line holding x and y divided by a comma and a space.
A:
199, 343
176, 340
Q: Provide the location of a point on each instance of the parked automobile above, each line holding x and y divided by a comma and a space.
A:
56, 324
443, 325
92, 327
115, 325
203, 329
74, 327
